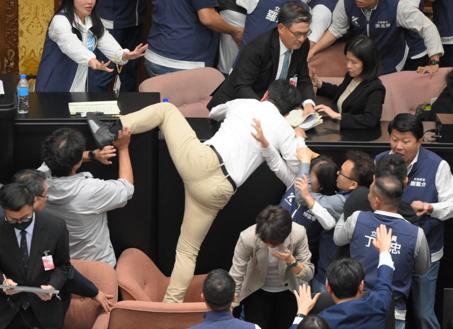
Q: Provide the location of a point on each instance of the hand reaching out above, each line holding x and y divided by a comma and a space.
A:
99, 65
327, 111
123, 140
139, 51
383, 241
105, 154
305, 302
259, 135
105, 300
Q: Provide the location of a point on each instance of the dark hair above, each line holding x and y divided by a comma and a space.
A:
406, 122
364, 49
284, 96
325, 170
33, 179
344, 276
15, 196
62, 150
391, 165
294, 12
67, 8
363, 169
273, 225
390, 189
218, 290
313, 322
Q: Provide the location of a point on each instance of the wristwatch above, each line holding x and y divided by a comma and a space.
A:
293, 264
91, 155
433, 62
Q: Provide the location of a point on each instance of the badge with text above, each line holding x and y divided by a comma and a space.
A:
47, 262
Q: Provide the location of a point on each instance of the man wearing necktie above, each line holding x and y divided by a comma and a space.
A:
278, 54
34, 251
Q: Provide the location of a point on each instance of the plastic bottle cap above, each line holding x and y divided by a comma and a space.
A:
23, 76
165, 100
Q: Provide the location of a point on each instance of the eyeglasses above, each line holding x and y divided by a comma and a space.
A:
339, 173
19, 220
299, 35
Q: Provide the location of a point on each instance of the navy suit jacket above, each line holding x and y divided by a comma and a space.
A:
368, 312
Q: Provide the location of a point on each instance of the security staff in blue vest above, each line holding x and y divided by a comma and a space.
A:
68, 56
218, 294
383, 21
430, 194
353, 308
124, 20
409, 246
262, 17
184, 35
443, 18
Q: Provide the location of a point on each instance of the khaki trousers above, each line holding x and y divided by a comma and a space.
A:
206, 189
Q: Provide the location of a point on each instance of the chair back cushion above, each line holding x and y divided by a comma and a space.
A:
189, 90
84, 312
405, 90
145, 315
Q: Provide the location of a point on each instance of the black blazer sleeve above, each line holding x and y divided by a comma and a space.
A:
333, 91
371, 114
303, 79
80, 285
61, 258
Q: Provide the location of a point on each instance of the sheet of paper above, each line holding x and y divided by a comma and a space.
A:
29, 289
2, 90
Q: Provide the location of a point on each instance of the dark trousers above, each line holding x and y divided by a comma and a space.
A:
102, 81
25, 320
447, 59
270, 310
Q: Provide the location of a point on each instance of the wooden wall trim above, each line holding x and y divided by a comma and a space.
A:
9, 55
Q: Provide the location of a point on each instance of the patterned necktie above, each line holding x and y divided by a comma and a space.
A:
285, 66
24, 248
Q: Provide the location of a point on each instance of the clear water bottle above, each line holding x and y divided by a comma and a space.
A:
22, 95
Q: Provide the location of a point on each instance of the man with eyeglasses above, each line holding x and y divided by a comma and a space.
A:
34, 251
278, 54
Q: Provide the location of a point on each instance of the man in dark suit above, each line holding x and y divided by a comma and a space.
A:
34, 251
345, 284
278, 54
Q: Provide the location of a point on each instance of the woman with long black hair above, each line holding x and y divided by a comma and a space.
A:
68, 55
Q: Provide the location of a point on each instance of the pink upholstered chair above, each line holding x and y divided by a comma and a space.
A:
145, 315
189, 90
407, 89
330, 62
139, 279
85, 313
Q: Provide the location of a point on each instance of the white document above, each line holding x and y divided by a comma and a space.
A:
30, 289
2, 90
106, 107
296, 118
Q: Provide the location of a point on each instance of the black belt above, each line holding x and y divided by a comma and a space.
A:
222, 166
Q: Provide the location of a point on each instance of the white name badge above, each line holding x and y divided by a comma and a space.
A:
47, 262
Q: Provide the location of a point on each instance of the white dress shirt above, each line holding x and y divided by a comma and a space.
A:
28, 235
60, 31
240, 151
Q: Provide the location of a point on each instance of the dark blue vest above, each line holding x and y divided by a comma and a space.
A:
56, 70
414, 40
177, 33
303, 216
222, 320
443, 17
327, 251
382, 29
404, 238
123, 13
422, 186
262, 19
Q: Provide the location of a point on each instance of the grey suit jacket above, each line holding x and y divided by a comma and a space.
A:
250, 261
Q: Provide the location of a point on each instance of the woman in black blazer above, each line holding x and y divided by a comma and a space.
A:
357, 101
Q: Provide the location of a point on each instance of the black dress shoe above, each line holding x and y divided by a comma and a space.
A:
100, 130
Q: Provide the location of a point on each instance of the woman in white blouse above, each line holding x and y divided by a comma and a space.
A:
73, 34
